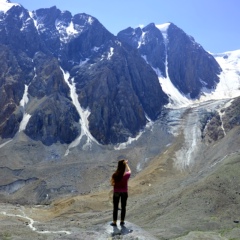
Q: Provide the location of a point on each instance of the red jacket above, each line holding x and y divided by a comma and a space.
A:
122, 186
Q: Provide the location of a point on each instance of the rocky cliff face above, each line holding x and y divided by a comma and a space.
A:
176, 55
194, 68
219, 123
110, 79
128, 90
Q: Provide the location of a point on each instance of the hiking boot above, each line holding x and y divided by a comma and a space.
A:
113, 224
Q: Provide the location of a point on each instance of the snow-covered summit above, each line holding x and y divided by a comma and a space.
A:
5, 5
163, 28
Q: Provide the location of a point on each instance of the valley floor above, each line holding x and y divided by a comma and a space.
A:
164, 203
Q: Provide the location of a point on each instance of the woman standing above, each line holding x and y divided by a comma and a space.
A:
119, 182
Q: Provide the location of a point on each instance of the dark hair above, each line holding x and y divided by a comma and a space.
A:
117, 176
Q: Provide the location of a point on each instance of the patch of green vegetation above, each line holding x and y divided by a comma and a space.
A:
224, 231
227, 232
6, 236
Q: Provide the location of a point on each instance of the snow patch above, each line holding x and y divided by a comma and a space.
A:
26, 23
31, 14
110, 53
83, 113
2, 145
221, 116
177, 100
124, 145
66, 31
95, 49
141, 40
90, 20
26, 116
24, 122
25, 98
5, 5
130, 140
145, 58
70, 29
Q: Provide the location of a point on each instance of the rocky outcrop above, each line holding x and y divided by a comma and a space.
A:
48, 78
212, 129
217, 124
231, 115
55, 120
11, 91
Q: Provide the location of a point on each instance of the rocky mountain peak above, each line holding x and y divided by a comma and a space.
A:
150, 43
149, 27
160, 44
204, 68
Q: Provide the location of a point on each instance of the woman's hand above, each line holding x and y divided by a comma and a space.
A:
127, 167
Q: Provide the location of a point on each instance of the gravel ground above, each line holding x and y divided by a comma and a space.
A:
164, 203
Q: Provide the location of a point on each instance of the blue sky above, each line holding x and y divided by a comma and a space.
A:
215, 24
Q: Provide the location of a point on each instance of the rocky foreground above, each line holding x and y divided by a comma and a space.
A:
164, 203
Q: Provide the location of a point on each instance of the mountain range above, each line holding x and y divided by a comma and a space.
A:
67, 79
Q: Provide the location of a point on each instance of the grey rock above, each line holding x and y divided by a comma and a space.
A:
55, 119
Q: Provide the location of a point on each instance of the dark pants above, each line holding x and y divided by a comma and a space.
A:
116, 198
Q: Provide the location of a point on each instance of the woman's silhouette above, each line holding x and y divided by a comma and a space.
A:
119, 181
